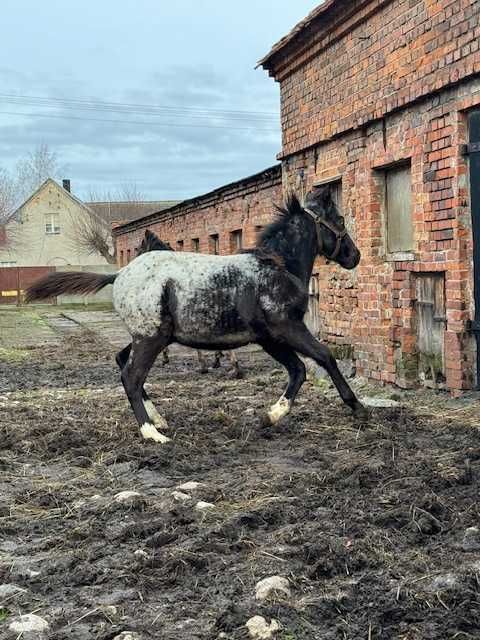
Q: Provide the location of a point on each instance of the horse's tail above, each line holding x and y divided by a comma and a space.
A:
56, 284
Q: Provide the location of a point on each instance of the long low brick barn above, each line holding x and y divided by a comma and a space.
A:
221, 222
379, 98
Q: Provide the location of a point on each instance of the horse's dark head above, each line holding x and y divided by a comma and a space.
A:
151, 242
334, 241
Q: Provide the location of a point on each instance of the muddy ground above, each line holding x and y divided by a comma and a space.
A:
367, 521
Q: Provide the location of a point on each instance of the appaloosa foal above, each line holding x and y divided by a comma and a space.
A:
224, 302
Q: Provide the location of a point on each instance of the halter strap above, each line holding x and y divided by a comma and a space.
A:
338, 233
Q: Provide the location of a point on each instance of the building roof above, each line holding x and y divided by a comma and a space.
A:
267, 61
128, 211
270, 172
44, 184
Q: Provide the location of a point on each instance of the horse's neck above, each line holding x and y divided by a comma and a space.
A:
298, 247
299, 256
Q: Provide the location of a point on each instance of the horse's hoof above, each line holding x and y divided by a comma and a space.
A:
216, 364
361, 413
265, 421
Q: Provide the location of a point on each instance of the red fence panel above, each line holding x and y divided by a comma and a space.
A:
14, 281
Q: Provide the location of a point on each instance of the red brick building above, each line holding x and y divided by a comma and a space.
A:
379, 98
221, 221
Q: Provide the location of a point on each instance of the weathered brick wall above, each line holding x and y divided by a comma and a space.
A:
373, 310
245, 205
364, 59
369, 83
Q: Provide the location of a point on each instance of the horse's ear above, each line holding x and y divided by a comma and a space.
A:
319, 196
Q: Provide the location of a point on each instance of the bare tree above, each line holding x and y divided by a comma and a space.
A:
93, 235
35, 168
92, 232
7, 196
15, 188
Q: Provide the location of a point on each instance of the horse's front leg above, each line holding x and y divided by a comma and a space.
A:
153, 414
297, 336
141, 358
202, 361
286, 356
238, 373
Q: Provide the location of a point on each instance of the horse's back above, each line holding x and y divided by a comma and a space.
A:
194, 290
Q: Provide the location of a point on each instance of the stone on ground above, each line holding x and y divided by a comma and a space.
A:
189, 486
28, 623
272, 586
379, 402
10, 590
129, 497
259, 629
471, 539
202, 506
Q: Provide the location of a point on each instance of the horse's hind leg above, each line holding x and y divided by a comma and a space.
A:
165, 356
238, 373
297, 336
286, 356
216, 362
202, 361
155, 417
142, 356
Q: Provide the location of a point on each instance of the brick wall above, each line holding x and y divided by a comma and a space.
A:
373, 309
360, 60
392, 82
246, 206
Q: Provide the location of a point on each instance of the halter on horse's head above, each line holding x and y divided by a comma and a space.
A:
333, 239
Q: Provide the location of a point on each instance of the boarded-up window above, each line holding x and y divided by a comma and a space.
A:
196, 245
398, 209
236, 242
214, 244
336, 191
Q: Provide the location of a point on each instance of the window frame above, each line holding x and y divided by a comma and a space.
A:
55, 229
395, 255
236, 240
214, 244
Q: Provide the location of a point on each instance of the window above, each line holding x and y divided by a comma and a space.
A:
236, 241
128, 256
214, 244
335, 190
52, 224
179, 245
195, 245
397, 205
121, 259
8, 263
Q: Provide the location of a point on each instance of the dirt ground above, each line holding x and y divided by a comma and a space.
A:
367, 521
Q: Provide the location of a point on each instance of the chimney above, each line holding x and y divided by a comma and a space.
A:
66, 185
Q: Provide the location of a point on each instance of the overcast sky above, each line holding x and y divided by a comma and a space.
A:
195, 57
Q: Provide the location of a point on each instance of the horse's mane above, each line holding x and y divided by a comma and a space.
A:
269, 247
291, 207
151, 242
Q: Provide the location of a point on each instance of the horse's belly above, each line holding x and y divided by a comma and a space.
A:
216, 343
